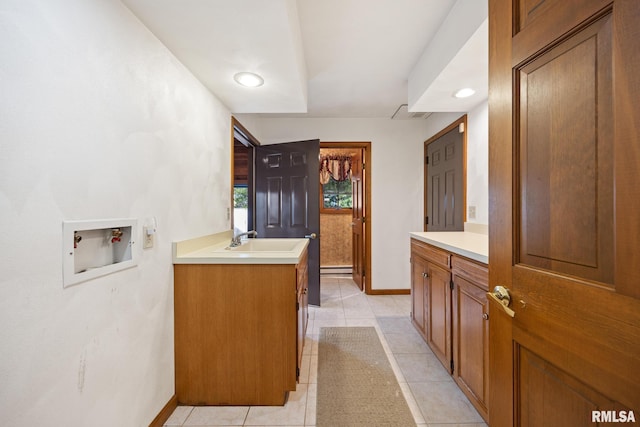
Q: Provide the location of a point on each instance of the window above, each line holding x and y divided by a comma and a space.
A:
240, 208
336, 195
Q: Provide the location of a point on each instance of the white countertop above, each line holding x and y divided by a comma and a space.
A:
212, 250
474, 246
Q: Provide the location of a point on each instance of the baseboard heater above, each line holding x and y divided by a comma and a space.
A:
336, 269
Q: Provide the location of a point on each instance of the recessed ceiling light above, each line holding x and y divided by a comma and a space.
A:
464, 93
248, 79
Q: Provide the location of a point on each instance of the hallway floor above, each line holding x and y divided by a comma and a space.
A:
432, 395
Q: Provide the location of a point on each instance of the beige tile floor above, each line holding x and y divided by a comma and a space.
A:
433, 397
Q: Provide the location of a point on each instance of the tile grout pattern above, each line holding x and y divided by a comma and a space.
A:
431, 393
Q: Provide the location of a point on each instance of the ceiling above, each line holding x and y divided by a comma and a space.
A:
329, 58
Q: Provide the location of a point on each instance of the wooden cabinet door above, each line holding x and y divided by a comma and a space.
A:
471, 342
564, 84
419, 270
302, 285
438, 313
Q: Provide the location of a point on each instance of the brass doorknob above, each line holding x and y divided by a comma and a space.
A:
502, 294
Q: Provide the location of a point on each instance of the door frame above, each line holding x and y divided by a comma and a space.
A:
238, 131
462, 120
366, 148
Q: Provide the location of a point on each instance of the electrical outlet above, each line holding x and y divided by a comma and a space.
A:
472, 212
147, 238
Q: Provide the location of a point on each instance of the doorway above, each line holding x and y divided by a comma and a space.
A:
345, 226
275, 192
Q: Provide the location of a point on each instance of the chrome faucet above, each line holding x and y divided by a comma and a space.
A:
236, 240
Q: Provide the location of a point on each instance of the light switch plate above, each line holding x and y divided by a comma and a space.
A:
147, 239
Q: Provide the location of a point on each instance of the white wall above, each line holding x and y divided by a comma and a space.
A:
478, 162
97, 120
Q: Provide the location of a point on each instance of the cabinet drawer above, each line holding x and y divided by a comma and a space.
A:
431, 253
473, 271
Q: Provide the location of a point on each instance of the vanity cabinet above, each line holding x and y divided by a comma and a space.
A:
239, 332
431, 302
449, 310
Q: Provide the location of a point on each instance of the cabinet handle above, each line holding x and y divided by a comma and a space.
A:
425, 275
485, 316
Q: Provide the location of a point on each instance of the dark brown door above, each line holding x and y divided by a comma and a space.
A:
287, 198
445, 181
564, 198
357, 222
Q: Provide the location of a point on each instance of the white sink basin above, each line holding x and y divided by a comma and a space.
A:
266, 245
214, 249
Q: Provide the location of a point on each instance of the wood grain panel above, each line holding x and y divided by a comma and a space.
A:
501, 216
418, 293
528, 10
578, 399
438, 312
626, 56
235, 334
585, 330
471, 270
302, 288
431, 253
240, 164
565, 147
471, 343
549, 22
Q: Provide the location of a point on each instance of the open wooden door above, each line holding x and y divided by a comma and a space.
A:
287, 198
564, 137
357, 222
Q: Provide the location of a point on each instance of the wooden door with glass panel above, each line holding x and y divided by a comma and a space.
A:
564, 198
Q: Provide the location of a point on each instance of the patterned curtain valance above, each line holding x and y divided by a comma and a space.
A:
336, 167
